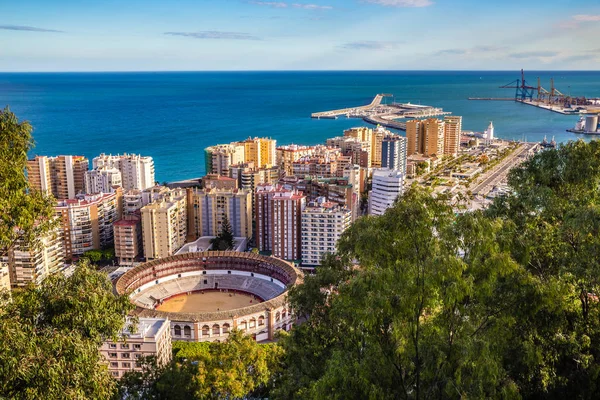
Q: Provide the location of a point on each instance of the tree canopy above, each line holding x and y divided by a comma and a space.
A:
230, 370
422, 303
24, 212
50, 337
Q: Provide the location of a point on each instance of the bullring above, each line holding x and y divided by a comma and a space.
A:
265, 279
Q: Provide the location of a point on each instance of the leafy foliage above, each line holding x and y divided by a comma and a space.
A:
233, 369
50, 335
24, 213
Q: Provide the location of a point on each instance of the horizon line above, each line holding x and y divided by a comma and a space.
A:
290, 70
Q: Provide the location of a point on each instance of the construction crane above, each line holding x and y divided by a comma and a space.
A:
523, 91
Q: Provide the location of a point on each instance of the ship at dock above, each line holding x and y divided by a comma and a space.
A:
588, 124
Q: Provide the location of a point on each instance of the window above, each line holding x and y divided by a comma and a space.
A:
115, 373
226, 328
216, 329
114, 364
126, 365
206, 282
125, 355
125, 346
138, 355
187, 331
205, 330
112, 355
177, 330
261, 321
112, 345
137, 346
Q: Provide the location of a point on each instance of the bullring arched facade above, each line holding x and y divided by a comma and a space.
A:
267, 278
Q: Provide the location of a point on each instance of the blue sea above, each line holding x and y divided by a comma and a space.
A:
173, 116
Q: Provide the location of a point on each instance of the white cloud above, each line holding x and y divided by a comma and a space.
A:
281, 4
586, 18
401, 3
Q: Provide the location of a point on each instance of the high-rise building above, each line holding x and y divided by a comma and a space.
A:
31, 263
208, 208
133, 201
359, 150
221, 157
387, 186
322, 226
335, 190
452, 132
278, 221
87, 222
260, 151
102, 180
287, 155
164, 224
374, 138
433, 136
393, 153
62, 176
128, 239
137, 172
152, 337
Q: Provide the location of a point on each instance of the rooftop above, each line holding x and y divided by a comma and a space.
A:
146, 328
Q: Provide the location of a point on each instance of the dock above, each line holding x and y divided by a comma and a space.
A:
384, 114
333, 114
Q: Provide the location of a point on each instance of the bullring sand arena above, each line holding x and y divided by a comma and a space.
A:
207, 302
207, 294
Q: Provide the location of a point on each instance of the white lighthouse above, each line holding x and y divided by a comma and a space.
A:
489, 133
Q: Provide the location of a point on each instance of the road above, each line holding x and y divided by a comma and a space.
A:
497, 174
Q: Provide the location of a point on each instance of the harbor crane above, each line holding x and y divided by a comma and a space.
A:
523, 90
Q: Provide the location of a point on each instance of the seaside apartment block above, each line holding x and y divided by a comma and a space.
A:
434, 137
87, 221
278, 221
128, 239
61, 176
259, 151
393, 150
31, 263
208, 208
152, 337
387, 186
102, 180
323, 223
164, 224
137, 171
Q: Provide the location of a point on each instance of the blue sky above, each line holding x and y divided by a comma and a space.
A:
137, 35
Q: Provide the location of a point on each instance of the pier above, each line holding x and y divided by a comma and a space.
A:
384, 114
333, 114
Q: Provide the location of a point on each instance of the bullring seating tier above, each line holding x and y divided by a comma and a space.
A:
259, 287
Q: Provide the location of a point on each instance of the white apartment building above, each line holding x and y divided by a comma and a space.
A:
152, 338
102, 180
387, 186
137, 172
164, 225
33, 262
133, 201
322, 226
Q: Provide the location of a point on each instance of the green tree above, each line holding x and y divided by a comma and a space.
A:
426, 315
24, 213
236, 368
553, 229
224, 240
50, 335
